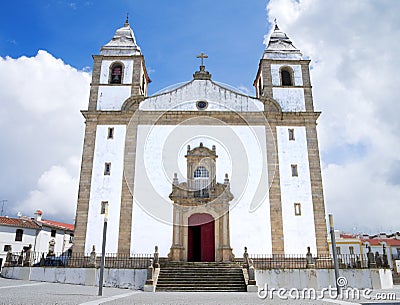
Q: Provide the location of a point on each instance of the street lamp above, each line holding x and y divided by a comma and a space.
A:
103, 249
334, 251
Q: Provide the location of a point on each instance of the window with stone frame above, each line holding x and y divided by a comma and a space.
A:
291, 134
107, 168
297, 209
295, 173
110, 133
286, 77
116, 74
18, 234
103, 207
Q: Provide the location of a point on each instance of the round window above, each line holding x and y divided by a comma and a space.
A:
201, 105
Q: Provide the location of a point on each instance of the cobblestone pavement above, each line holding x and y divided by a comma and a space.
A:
31, 293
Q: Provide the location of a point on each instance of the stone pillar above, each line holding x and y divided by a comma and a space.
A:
84, 186
128, 177
275, 190
316, 188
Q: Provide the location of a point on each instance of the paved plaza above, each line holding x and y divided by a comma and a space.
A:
31, 293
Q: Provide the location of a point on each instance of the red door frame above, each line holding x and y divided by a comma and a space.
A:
201, 238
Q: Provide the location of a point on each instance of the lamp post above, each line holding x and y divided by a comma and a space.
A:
103, 250
2, 206
334, 251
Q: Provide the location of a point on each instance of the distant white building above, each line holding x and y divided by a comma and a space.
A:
18, 233
356, 245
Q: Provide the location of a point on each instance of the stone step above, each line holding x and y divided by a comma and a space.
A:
198, 280
203, 289
200, 276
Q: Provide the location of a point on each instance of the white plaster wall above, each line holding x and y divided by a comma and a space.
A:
127, 70
241, 153
290, 99
298, 231
7, 237
320, 278
119, 278
185, 97
276, 79
112, 97
106, 188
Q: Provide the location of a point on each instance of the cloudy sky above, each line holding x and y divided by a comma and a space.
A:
45, 66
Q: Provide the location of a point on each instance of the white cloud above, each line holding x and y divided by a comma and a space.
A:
55, 194
354, 58
42, 134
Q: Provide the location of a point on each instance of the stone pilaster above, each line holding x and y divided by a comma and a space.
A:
274, 191
84, 186
125, 222
94, 86
308, 99
316, 188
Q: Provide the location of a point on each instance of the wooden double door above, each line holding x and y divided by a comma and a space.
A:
201, 238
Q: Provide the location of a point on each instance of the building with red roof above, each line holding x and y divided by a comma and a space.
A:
16, 234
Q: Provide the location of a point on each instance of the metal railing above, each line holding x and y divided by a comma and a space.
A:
78, 260
285, 261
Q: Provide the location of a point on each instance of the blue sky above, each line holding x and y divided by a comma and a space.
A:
170, 34
354, 50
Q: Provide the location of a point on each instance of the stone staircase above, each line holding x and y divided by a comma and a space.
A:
201, 277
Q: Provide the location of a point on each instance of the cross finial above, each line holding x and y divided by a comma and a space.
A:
202, 56
276, 24
127, 19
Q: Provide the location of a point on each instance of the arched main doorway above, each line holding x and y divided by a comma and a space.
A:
201, 238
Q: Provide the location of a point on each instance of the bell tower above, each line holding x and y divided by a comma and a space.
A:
296, 194
119, 73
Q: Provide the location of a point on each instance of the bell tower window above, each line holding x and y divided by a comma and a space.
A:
116, 74
286, 77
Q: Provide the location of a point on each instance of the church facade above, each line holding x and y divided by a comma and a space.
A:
200, 169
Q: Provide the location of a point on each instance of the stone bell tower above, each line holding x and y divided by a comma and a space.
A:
296, 195
119, 83
201, 211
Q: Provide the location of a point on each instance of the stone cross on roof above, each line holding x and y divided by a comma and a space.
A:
202, 56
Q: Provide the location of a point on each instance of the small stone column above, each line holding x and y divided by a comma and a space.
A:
371, 258
149, 285
28, 257
309, 260
9, 258
92, 259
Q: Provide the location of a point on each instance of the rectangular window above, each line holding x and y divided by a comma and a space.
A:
7, 248
338, 251
71, 238
351, 249
110, 133
53, 233
107, 168
297, 209
294, 170
103, 208
18, 234
291, 134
